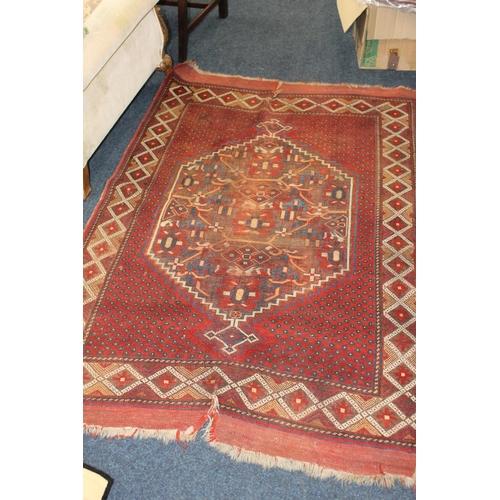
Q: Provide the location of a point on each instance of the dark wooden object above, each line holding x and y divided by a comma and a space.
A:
185, 27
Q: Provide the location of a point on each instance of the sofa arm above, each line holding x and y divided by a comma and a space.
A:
108, 26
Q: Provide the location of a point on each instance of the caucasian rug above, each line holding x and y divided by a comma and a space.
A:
250, 271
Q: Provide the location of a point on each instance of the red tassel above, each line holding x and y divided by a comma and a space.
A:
382, 473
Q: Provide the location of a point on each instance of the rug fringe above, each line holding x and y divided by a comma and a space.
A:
165, 435
310, 469
193, 64
245, 456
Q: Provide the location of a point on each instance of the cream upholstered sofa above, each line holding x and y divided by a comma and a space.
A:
123, 44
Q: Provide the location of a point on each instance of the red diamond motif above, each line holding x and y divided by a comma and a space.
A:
304, 104
395, 113
403, 342
204, 95
298, 401
343, 410
254, 391
397, 224
153, 143
362, 106
213, 382
398, 265
397, 187
398, 243
122, 379
398, 288
102, 248
145, 158
111, 228
397, 170
387, 417
252, 101
180, 91
166, 381
138, 174
128, 190
228, 98
401, 314
403, 374
395, 126
172, 103
396, 140
120, 208
397, 203
160, 129
91, 272
397, 155
334, 105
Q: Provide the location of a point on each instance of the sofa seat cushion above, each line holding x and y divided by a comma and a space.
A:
108, 25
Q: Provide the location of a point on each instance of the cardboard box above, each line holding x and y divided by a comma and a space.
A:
385, 37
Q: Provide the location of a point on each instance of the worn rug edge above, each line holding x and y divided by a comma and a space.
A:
246, 456
216, 430
196, 75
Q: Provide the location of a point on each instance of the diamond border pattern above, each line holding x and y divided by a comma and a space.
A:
294, 403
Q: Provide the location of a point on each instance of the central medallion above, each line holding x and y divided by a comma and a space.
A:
247, 227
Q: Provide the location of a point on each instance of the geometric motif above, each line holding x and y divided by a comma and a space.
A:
251, 225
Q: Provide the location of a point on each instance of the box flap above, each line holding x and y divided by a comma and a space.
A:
349, 11
385, 23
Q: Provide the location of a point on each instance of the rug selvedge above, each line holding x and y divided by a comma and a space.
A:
327, 407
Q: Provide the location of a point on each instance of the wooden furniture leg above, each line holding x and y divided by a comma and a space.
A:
223, 9
166, 63
184, 26
87, 189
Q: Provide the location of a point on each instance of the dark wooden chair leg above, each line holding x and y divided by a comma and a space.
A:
223, 9
183, 23
185, 27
